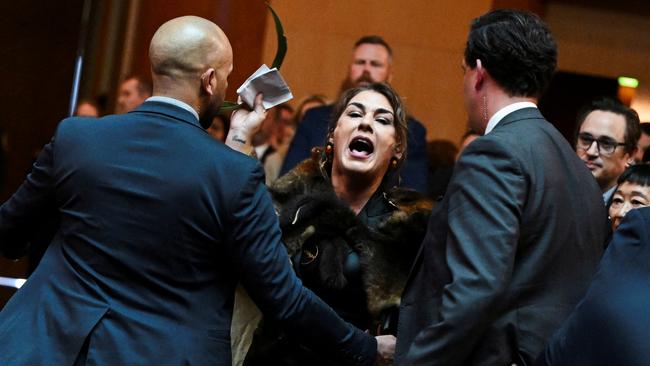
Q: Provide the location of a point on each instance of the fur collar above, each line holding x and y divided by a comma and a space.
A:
309, 210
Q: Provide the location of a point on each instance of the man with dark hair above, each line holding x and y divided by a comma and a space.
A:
158, 224
643, 144
371, 63
519, 233
606, 141
134, 90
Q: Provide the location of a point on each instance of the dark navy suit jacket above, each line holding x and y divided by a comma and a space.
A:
312, 131
159, 222
611, 325
508, 253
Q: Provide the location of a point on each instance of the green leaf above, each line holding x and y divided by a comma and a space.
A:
277, 61
282, 40
227, 106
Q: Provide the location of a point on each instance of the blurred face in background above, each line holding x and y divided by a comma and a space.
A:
606, 167
628, 196
129, 96
642, 146
85, 109
371, 63
218, 128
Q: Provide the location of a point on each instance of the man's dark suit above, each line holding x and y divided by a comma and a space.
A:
611, 325
312, 131
508, 253
158, 224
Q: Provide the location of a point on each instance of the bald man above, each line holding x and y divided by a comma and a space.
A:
158, 223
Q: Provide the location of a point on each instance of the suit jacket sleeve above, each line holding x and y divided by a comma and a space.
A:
606, 327
28, 206
484, 209
268, 277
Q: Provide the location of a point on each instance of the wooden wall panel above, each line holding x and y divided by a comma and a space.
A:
535, 6
39, 42
604, 42
427, 37
242, 21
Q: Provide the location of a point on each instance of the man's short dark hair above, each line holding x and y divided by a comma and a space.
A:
645, 128
516, 48
144, 87
374, 40
606, 104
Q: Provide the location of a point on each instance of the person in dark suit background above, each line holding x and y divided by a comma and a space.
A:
158, 223
371, 63
512, 246
611, 325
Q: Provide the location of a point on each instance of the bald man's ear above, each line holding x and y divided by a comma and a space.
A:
209, 81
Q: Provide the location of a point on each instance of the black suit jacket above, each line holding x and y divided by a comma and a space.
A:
509, 251
312, 131
159, 222
611, 325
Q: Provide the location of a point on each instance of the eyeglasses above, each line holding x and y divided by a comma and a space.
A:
605, 145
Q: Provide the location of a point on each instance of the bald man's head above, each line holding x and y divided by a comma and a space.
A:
191, 59
187, 46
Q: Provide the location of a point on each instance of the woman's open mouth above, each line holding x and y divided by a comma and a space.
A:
361, 147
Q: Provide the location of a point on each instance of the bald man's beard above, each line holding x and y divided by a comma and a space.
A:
211, 111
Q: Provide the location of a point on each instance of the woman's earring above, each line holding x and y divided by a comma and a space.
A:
393, 163
329, 150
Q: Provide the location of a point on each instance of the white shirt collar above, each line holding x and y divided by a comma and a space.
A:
608, 194
498, 116
176, 102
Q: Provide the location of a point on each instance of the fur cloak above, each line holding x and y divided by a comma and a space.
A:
315, 223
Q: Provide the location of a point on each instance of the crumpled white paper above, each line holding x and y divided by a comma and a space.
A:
268, 82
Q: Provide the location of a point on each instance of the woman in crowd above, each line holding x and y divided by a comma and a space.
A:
633, 191
219, 127
351, 235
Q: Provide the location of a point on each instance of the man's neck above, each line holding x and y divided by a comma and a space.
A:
495, 99
177, 89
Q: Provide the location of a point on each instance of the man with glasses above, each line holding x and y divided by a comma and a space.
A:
608, 132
